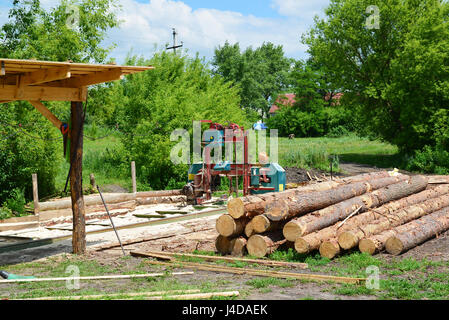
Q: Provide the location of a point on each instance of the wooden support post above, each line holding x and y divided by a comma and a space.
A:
35, 194
93, 184
76, 179
133, 176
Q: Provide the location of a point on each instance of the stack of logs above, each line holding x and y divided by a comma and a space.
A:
375, 211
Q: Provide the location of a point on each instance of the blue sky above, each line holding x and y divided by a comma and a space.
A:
205, 24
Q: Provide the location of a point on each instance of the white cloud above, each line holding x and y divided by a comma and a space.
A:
300, 8
201, 30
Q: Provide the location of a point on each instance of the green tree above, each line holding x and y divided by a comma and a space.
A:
28, 142
261, 73
152, 104
398, 74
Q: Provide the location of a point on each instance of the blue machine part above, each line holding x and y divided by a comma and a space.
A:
276, 175
193, 170
223, 166
213, 137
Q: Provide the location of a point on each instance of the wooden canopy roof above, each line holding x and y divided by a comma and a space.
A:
34, 80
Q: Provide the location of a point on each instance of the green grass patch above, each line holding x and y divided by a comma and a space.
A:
259, 283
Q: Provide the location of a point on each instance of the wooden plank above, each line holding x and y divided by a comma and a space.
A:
40, 93
44, 75
125, 276
124, 294
47, 113
96, 77
232, 259
253, 272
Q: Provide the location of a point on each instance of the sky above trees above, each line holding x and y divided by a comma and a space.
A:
205, 24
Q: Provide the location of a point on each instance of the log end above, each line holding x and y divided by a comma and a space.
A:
257, 246
277, 211
249, 230
236, 208
223, 245
238, 246
226, 225
394, 246
260, 224
302, 246
347, 240
367, 246
292, 230
329, 249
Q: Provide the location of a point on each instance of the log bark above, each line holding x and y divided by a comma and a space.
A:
252, 206
326, 217
260, 245
305, 203
227, 226
313, 240
350, 239
157, 200
377, 243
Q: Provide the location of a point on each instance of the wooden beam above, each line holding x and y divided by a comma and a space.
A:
42, 93
47, 113
76, 179
44, 75
93, 78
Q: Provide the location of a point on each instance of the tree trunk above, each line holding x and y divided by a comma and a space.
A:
252, 206
313, 240
227, 226
288, 208
350, 239
76, 179
323, 218
418, 231
260, 245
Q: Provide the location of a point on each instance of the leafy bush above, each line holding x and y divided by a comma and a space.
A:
17, 202
152, 104
430, 160
5, 213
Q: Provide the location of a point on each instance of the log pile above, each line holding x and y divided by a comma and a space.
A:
372, 212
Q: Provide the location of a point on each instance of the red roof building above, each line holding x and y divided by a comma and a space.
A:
288, 99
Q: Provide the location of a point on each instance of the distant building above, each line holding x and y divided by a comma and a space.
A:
289, 99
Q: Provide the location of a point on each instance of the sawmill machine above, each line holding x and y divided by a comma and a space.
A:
205, 177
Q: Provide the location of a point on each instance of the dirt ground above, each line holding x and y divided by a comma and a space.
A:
251, 288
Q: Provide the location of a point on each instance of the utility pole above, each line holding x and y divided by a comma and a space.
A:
174, 47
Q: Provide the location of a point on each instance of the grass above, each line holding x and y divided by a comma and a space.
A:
317, 152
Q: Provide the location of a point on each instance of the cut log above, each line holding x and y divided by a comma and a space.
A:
238, 246
157, 200
252, 206
329, 249
262, 224
260, 245
350, 239
227, 226
304, 203
249, 230
321, 219
407, 235
223, 245
313, 240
